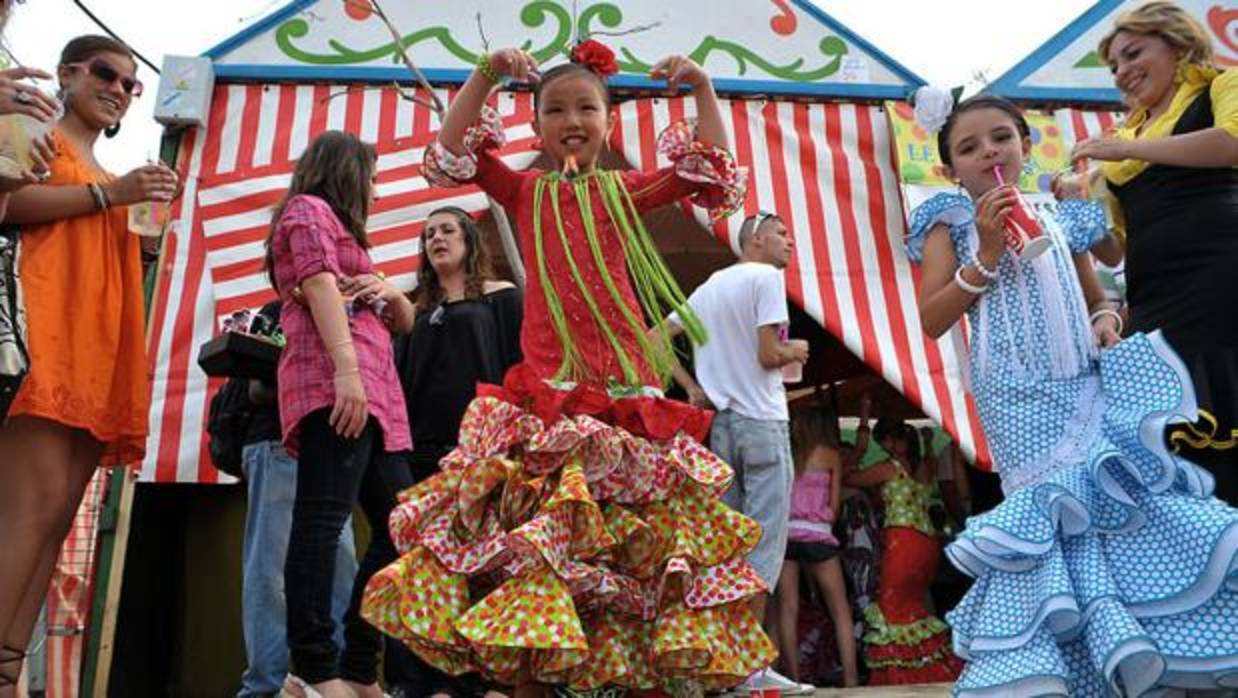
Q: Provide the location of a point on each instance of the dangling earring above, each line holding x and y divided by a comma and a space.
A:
112, 130
538, 144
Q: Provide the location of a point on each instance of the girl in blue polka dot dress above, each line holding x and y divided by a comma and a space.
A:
1109, 569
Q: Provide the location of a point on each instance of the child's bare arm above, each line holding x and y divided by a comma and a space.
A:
681, 69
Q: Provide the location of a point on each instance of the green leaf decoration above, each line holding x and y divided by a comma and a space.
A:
1090, 60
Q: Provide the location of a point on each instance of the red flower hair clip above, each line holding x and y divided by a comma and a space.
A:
595, 56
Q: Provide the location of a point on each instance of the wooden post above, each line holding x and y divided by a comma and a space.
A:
112, 549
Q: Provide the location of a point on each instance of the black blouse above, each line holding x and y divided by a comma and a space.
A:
451, 349
1182, 246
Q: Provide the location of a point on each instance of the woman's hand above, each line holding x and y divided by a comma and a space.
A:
20, 98
1075, 185
514, 63
676, 70
992, 209
697, 398
152, 182
1105, 148
350, 411
368, 287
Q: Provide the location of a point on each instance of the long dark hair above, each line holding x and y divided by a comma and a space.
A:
811, 427
337, 167
971, 104
476, 261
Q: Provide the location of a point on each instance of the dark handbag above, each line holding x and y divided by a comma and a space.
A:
14, 358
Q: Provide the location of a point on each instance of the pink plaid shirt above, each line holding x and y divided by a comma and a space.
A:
308, 240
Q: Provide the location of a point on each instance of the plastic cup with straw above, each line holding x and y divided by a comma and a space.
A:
1024, 235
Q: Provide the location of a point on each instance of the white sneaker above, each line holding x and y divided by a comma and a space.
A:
768, 678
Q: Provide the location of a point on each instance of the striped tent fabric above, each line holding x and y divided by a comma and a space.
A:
1078, 124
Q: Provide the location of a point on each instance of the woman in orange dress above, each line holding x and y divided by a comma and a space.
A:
84, 401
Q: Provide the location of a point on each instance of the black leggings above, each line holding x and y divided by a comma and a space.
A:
333, 473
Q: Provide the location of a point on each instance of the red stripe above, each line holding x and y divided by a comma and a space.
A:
354, 110
386, 115
281, 149
782, 194
318, 112
743, 155
1106, 121
163, 279
645, 126
207, 474
1079, 126
214, 127
831, 320
421, 115
249, 128
871, 352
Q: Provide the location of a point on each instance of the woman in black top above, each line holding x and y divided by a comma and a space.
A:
1171, 171
467, 331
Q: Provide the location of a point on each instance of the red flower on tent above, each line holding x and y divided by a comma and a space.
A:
1219, 19
359, 10
595, 56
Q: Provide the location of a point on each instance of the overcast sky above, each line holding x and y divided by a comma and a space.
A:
943, 41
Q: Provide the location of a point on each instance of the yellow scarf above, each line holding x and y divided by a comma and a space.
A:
1192, 79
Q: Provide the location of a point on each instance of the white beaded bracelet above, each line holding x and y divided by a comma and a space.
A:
967, 286
987, 273
1111, 313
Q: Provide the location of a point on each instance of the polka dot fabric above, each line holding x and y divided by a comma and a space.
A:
573, 553
1109, 569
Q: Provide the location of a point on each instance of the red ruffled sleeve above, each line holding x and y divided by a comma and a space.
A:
480, 164
707, 174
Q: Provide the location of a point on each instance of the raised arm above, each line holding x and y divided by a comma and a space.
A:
1209, 147
466, 107
41, 203
677, 70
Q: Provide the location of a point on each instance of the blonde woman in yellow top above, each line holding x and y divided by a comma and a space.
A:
1173, 188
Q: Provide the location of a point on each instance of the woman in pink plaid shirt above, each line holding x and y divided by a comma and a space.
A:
340, 404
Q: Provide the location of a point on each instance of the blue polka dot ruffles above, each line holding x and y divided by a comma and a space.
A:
1109, 569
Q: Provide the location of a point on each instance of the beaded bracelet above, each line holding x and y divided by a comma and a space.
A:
967, 286
987, 273
1107, 312
486, 69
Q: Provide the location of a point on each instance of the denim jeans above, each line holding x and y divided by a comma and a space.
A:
333, 473
271, 475
759, 450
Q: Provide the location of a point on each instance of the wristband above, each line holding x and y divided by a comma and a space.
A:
487, 70
967, 286
1111, 313
96, 193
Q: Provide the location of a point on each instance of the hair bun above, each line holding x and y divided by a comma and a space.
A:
595, 56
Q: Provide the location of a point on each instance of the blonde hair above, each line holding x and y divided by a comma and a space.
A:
1169, 22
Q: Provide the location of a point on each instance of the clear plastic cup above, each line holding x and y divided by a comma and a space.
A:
17, 132
794, 371
148, 218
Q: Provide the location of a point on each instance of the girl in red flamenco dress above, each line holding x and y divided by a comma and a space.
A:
576, 536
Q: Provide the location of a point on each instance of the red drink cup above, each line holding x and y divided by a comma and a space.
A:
764, 693
1024, 236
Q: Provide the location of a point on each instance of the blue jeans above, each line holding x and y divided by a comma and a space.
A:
759, 450
272, 479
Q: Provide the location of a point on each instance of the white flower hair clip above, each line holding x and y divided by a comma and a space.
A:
933, 105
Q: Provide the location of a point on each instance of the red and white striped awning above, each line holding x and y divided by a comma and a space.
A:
826, 168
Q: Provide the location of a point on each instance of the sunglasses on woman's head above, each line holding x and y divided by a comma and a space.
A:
103, 71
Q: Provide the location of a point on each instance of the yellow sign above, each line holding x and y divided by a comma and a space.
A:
918, 163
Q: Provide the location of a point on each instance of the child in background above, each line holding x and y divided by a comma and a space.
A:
1108, 568
811, 545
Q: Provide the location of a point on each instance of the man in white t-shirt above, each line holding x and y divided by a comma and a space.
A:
744, 311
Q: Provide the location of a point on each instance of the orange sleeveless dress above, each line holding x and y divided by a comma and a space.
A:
82, 283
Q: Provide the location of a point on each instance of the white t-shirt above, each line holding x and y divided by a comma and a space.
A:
732, 304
